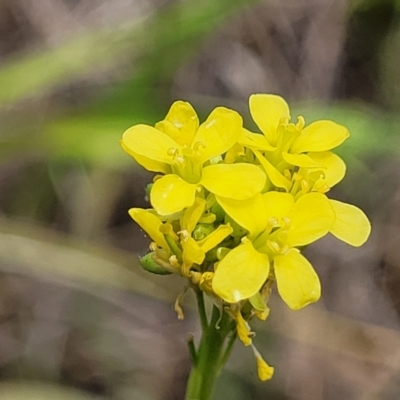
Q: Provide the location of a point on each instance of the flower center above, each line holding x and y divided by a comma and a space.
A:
186, 162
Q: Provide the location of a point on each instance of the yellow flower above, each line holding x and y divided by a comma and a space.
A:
180, 148
287, 225
277, 225
318, 179
293, 145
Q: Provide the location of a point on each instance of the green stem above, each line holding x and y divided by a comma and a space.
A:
210, 355
228, 350
192, 349
202, 309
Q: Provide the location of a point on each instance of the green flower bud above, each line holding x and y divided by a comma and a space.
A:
202, 230
215, 254
147, 262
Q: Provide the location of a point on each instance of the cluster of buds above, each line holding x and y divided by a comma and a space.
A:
232, 209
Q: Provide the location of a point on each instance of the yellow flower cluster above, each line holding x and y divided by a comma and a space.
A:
231, 209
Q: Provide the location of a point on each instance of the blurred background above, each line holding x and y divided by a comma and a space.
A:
78, 317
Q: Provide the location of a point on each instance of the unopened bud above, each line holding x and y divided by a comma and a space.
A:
149, 264
202, 230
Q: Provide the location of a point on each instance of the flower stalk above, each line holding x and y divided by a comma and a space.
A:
213, 352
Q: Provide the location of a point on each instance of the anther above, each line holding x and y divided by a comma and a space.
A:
300, 122
198, 145
173, 151
274, 246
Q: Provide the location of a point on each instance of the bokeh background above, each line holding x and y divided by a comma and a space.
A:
78, 317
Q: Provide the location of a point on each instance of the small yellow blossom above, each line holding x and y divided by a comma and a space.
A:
180, 148
293, 144
287, 225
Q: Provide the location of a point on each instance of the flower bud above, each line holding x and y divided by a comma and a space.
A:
202, 230
147, 262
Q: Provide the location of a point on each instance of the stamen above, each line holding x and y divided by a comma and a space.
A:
185, 234
195, 276
274, 246
174, 261
179, 160
285, 249
305, 186
177, 305
272, 222
297, 177
286, 222
173, 151
198, 145
287, 174
300, 123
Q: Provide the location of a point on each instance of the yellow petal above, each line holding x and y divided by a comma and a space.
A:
300, 160
265, 372
255, 141
273, 174
278, 204
181, 123
310, 218
235, 151
351, 224
148, 163
193, 214
335, 168
297, 282
215, 237
233, 181
263, 315
192, 253
267, 111
148, 142
218, 133
241, 273
249, 214
320, 136
171, 194
243, 329
150, 224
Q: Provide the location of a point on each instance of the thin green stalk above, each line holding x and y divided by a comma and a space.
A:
202, 310
228, 350
209, 357
192, 349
